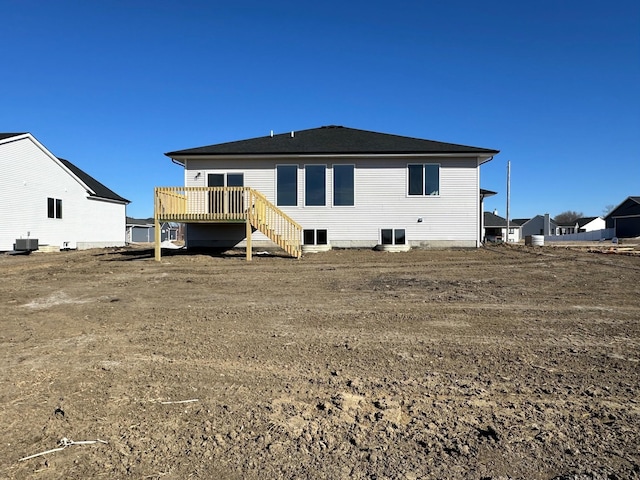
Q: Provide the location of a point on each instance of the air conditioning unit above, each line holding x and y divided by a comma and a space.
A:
26, 244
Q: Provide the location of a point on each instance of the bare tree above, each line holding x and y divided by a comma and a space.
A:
567, 218
607, 210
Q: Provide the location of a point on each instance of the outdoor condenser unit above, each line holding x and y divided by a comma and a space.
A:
26, 244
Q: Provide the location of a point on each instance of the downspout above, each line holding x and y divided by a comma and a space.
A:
480, 242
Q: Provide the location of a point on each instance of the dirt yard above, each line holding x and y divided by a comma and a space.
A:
497, 363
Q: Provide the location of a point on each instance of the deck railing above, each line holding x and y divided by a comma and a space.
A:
201, 203
228, 204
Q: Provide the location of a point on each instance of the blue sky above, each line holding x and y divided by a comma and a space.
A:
553, 84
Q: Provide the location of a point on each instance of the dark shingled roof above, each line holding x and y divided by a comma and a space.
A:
630, 206
584, 220
487, 193
493, 220
9, 135
98, 188
332, 140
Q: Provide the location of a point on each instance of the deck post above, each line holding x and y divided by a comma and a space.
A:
248, 231
157, 238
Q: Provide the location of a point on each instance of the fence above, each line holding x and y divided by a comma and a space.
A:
592, 236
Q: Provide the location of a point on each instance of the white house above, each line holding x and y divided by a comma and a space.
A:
50, 199
342, 187
589, 224
495, 229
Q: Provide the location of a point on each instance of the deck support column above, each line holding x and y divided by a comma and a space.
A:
157, 239
248, 231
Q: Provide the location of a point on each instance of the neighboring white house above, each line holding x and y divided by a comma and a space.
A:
347, 187
495, 229
49, 199
589, 224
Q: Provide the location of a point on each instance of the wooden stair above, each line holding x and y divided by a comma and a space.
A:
276, 225
227, 205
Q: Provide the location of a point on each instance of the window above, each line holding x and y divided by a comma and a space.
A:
287, 185
343, 182
314, 237
315, 185
54, 208
391, 236
424, 179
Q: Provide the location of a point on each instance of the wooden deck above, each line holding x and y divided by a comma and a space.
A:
226, 205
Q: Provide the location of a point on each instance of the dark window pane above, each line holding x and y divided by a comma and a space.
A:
387, 237
399, 236
308, 237
432, 183
58, 208
321, 237
343, 185
215, 180
51, 208
287, 185
415, 179
236, 198
315, 193
235, 180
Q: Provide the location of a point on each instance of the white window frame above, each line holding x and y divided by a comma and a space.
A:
424, 178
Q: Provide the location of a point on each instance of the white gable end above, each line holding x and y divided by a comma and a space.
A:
31, 176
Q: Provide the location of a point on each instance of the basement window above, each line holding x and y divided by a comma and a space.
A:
393, 236
54, 208
314, 237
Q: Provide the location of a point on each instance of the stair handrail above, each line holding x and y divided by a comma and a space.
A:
275, 224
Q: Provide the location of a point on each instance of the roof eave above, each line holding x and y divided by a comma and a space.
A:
183, 157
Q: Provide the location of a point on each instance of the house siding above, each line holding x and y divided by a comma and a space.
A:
381, 200
31, 176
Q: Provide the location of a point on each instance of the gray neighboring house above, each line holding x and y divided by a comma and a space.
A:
625, 218
143, 231
538, 225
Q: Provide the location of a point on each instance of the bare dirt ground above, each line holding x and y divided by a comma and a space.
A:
497, 363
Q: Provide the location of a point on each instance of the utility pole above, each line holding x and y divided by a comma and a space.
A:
508, 195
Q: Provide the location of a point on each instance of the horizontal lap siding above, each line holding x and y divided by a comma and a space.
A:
30, 176
381, 199
382, 202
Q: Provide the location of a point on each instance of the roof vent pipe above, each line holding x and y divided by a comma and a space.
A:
271, 133
292, 134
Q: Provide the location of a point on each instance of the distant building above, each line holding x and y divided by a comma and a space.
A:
625, 218
495, 229
538, 225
